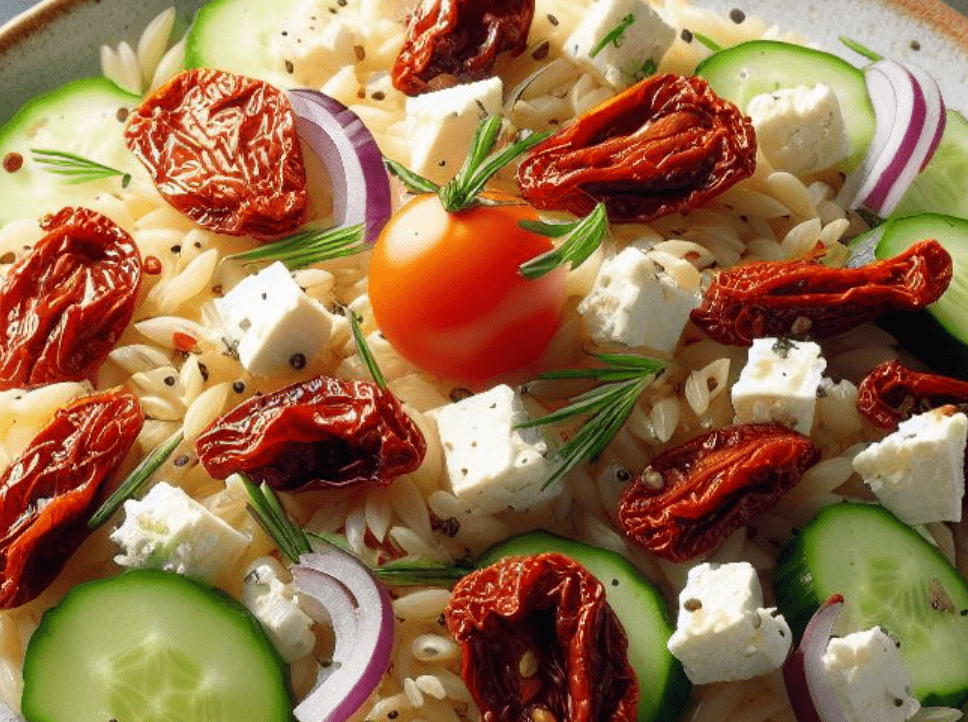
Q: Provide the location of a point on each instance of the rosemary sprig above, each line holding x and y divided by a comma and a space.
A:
75, 168
313, 245
135, 480
363, 348
581, 239
708, 42
613, 36
860, 49
414, 182
622, 379
266, 509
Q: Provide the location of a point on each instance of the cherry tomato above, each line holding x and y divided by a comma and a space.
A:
447, 293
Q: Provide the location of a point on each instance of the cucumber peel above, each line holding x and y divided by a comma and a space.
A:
889, 575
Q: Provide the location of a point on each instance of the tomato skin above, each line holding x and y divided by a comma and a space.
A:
447, 294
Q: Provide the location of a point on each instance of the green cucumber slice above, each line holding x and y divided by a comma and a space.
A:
889, 576
86, 118
663, 686
942, 187
743, 71
152, 646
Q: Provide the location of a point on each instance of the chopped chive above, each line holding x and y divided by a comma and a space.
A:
76, 169
308, 247
613, 36
363, 349
580, 241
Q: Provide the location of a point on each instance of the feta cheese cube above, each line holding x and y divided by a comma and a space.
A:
441, 124
493, 466
779, 383
918, 471
273, 321
723, 633
636, 34
868, 677
800, 130
169, 530
276, 606
635, 303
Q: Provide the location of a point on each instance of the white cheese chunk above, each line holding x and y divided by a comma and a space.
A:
273, 322
169, 530
276, 606
635, 34
441, 125
918, 471
493, 466
868, 677
723, 632
635, 303
779, 383
800, 130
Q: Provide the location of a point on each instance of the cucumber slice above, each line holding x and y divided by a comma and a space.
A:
889, 576
942, 187
238, 36
84, 117
663, 686
743, 71
939, 334
152, 646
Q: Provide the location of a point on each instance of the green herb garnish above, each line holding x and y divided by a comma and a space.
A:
364, 350
478, 168
76, 169
622, 380
267, 510
614, 35
649, 67
581, 239
860, 49
135, 480
307, 247
708, 42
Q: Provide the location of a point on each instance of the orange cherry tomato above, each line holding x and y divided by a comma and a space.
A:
447, 294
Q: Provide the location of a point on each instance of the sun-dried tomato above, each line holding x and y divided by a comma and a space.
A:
665, 145
694, 496
539, 642
65, 304
807, 300
223, 150
892, 393
459, 41
324, 432
48, 493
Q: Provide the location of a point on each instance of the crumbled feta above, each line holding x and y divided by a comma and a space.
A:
274, 322
868, 677
837, 408
492, 465
441, 125
276, 606
636, 35
171, 531
800, 130
635, 303
723, 632
779, 383
918, 471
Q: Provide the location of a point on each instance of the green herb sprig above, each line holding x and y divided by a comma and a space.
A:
76, 169
860, 49
581, 239
623, 379
708, 42
267, 510
135, 480
314, 245
363, 348
614, 35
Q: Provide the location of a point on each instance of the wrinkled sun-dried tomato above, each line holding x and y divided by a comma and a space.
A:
539, 642
805, 299
65, 304
223, 150
665, 145
323, 432
892, 393
694, 496
452, 41
48, 493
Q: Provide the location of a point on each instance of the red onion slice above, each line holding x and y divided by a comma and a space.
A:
811, 696
910, 120
363, 643
361, 187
